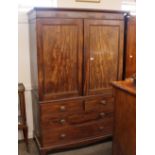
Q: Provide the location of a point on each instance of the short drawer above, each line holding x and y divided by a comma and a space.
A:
60, 136
99, 104
58, 108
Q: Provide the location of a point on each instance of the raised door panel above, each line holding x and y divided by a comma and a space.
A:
103, 40
60, 43
131, 47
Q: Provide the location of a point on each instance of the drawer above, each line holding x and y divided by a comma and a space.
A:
60, 136
99, 104
89, 117
62, 121
60, 108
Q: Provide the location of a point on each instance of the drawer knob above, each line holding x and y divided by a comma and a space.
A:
101, 128
102, 114
62, 121
62, 108
103, 102
91, 58
62, 136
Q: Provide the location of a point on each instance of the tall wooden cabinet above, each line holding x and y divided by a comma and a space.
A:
75, 54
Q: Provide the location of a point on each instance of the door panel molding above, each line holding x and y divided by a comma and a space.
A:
103, 54
60, 57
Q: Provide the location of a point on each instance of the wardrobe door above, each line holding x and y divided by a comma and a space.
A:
103, 44
60, 47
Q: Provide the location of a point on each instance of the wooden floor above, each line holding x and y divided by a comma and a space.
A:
99, 149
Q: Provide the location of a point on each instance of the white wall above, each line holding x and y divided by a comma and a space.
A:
24, 68
104, 4
23, 45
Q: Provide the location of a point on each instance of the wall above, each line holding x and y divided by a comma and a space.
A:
104, 4
24, 67
23, 45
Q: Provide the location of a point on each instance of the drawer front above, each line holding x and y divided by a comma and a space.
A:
61, 108
99, 104
60, 136
89, 117
61, 121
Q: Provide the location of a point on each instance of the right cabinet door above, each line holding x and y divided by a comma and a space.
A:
103, 54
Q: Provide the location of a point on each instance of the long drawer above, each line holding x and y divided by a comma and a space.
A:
56, 121
67, 134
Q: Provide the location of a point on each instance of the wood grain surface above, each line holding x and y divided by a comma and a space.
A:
61, 61
103, 54
75, 54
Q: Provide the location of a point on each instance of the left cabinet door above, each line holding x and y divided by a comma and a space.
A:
60, 57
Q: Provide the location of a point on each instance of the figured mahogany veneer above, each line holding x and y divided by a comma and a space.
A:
75, 54
77, 132
61, 107
60, 61
103, 52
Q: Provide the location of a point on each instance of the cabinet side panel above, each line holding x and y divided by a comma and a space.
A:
34, 77
33, 56
36, 116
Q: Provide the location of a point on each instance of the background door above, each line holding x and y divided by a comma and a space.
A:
103, 43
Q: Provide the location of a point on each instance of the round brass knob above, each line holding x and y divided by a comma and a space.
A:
103, 102
62, 121
102, 114
62, 136
101, 128
62, 108
91, 58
